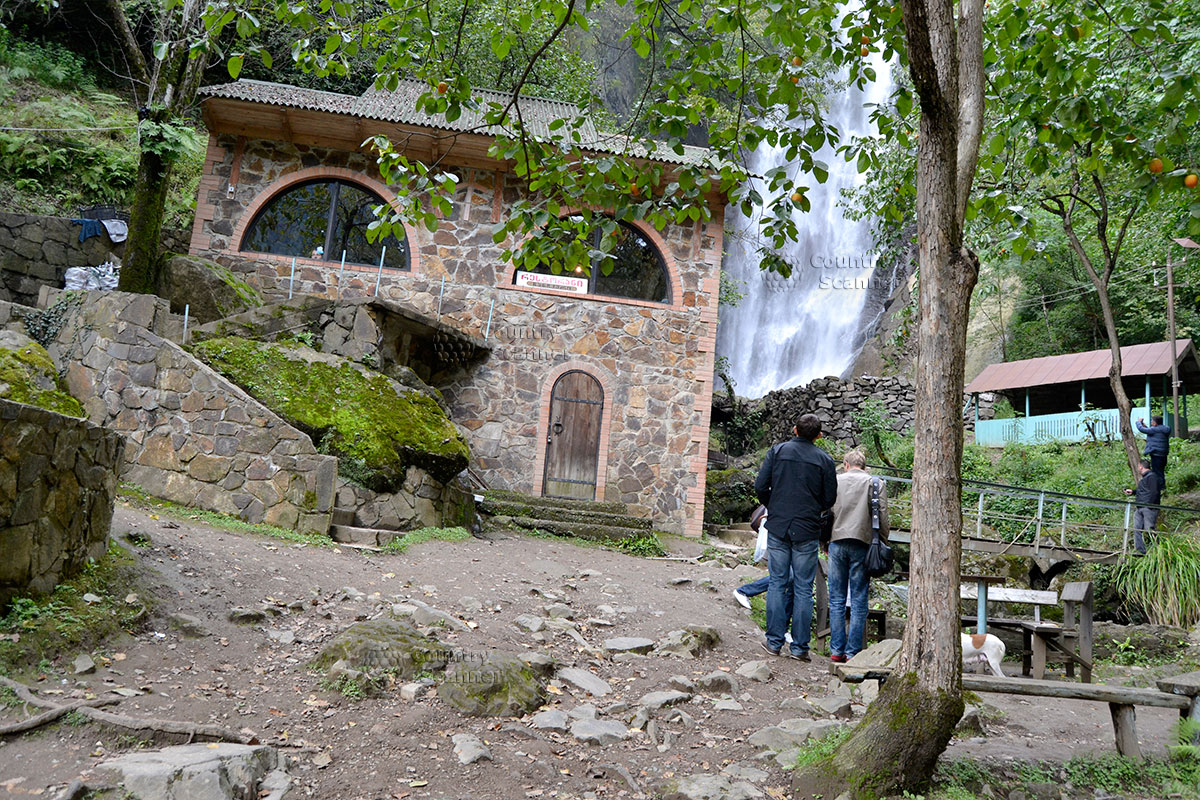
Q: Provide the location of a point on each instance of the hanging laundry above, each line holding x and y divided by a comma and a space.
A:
117, 229
88, 228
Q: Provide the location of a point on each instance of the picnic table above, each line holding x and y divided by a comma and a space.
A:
981, 589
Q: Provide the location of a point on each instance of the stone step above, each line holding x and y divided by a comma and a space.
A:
342, 516
737, 536
599, 533
374, 537
510, 508
603, 507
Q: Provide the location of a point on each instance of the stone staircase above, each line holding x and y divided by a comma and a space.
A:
739, 533
585, 519
343, 530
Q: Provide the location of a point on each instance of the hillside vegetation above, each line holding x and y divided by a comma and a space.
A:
67, 142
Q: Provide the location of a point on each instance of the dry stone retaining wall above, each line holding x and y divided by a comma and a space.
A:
654, 360
192, 436
836, 401
58, 479
35, 251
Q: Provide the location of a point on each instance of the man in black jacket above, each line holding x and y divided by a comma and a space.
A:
798, 484
1149, 493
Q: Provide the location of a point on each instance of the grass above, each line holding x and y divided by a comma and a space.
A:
138, 498
401, 543
815, 750
1179, 775
62, 624
1166, 581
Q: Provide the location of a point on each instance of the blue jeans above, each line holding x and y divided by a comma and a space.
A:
755, 587
790, 599
847, 572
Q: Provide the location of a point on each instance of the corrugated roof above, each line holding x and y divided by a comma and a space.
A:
1136, 359
400, 106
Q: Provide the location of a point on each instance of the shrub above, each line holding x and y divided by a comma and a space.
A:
1166, 581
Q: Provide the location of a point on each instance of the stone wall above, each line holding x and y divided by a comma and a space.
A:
192, 436
35, 251
58, 480
422, 502
836, 401
654, 360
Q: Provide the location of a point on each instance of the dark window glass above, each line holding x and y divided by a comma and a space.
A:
638, 270
321, 219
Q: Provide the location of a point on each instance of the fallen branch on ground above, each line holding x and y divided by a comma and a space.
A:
45, 717
192, 730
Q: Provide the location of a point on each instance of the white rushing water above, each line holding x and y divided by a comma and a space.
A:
787, 331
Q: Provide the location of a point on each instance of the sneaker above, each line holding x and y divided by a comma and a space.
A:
772, 650
799, 656
787, 637
742, 599
838, 659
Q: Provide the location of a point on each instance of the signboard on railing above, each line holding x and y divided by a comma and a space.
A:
559, 283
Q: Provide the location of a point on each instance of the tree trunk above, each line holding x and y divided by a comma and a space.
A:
1124, 406
141, 266
896, 746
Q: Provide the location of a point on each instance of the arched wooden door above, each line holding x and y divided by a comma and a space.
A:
573, 436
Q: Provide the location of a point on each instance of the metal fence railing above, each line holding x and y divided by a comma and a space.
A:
1036, 517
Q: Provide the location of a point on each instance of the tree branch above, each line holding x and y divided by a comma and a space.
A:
971, 97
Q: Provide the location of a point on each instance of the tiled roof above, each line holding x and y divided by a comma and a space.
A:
1136, 359
400, 106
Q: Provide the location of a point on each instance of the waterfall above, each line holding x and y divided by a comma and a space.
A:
787, 331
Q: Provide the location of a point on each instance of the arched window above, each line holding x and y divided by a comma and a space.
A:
322, 219
638, 269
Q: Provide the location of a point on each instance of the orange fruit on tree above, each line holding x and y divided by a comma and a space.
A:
794, 78
865, 39
797, 198
865, 52
1155, 165
796, 61
634, 189
1190, 180
442, 87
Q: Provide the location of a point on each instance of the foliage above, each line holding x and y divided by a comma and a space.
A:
815, 750
83, 143
730, 291
376, 429
62, 623
644, 544
401, 544
1166, 580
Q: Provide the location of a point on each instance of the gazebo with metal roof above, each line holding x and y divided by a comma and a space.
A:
1046, 389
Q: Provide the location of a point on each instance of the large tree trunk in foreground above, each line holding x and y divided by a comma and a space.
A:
896, 746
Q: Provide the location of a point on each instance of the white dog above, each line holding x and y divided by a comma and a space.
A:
983, 647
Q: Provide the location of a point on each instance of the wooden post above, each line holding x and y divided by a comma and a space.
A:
1124, 719
1174, 356
1038, 657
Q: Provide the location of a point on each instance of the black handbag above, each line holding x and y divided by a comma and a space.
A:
879, 559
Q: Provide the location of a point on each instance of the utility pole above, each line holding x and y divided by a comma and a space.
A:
1174, 356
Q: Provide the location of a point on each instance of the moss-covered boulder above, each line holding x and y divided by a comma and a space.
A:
729, 496
384, 645
498, 685
209, 290
27, 375
376, 427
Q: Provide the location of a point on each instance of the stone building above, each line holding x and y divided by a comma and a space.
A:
596, 387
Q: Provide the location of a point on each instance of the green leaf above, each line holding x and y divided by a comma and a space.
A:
235, 66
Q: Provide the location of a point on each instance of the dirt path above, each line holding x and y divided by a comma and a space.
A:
257, 677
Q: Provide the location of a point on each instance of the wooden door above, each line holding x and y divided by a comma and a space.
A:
573, 437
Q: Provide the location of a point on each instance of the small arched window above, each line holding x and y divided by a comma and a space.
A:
638, 270
322, 219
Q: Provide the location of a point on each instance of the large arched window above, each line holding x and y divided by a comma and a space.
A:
638, 269
322, 219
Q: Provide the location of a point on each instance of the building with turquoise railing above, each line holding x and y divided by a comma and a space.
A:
1068, 398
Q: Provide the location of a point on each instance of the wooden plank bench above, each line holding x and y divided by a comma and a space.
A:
1072, 640
1183, 693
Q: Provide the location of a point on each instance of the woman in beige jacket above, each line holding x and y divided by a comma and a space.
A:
853, 527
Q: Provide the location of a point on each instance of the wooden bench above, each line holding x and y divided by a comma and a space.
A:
1072, 640
1181, 692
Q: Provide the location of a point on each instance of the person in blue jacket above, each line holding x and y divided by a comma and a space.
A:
1158, 444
